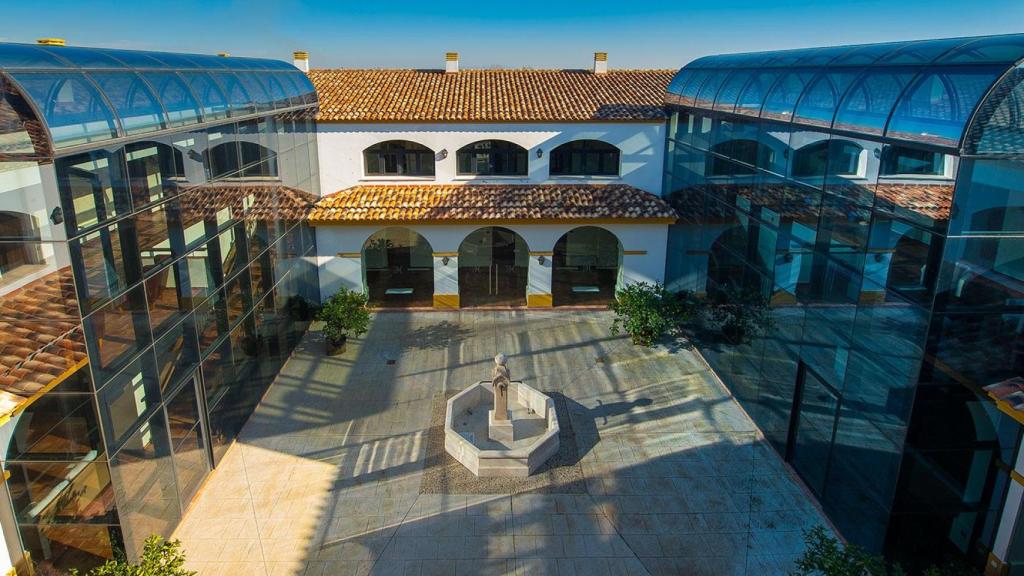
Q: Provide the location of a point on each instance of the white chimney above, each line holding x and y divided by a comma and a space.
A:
301, 60
600, 62
451, 62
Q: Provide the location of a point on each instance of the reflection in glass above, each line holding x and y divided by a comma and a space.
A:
128, 399
136, 107
492, 158
936, 108
74, 110
585, 267
399, 268
398, 157
117, 331
92, 189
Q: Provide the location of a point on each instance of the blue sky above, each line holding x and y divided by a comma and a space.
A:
516, 33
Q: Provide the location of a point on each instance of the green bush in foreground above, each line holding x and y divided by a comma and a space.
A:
159, 558
827, 556
344, 314
648, 311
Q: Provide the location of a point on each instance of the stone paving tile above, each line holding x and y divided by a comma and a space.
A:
325, 476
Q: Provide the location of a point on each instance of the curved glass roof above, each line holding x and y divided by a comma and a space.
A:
86, 95
922, 91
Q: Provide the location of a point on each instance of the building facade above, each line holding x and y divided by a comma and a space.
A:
872, 197
155, 267
465, 188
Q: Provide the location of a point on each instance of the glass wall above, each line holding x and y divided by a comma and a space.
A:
149, 277
890, 263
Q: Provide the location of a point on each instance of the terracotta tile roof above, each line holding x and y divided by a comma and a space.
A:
352, 95
256, 200
489, 203
40, 336
931, 201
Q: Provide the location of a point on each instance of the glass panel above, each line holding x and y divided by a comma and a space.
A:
86, 57
92, 189
491, 158
166, 304
585, 267
154, 242
221, 158
820, 100
25, 56
77, 491
218, 374
706, 95
154, 171
688, 93
819, 409
869, 102
183, 412
939, 104
128, 400
64, 546
190, 464
144, 484
116, 332
752, 98
106, 262
178, 102
1008, 49
210, 95
983, 273
866, 54
920, 52
780, 102
75, 112
239, 99
730, 91
177, 354
258, 90
998, 127
990, 198
56, 427
399, 267
136, 107
20, 131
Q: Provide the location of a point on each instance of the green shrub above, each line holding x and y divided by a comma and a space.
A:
827, 556
159, 558
648, 311
344, 314
742, 315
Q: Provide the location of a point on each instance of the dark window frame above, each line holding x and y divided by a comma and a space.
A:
398, 158
585, 154
503, 158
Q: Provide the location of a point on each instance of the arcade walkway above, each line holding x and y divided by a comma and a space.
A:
327, 477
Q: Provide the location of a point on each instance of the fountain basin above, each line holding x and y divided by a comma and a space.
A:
534, 439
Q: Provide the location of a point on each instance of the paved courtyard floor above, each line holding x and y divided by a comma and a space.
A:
325, 477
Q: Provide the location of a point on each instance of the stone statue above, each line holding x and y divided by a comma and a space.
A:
500, 381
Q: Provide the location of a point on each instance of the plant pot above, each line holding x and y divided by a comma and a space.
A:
336, 347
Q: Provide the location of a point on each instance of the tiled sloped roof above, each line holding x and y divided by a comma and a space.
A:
489, 203
257, 200
40, 336
353, 95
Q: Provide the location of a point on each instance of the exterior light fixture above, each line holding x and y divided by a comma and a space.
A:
878, 256
444, 261
443, 153
541, 259
57, 216
540, 152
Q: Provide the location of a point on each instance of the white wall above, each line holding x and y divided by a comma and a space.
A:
337, 271
341, 148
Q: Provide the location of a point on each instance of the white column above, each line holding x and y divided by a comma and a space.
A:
538, 286
446, 280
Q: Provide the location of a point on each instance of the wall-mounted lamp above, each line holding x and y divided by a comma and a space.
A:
57, 216
195, 156
877, 152
444, 261
878, 256
443, 153
541, 260
540, 152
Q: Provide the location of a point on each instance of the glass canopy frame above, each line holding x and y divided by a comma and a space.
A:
965, 94
85, 96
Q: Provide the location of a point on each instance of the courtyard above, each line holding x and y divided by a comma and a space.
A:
338, 472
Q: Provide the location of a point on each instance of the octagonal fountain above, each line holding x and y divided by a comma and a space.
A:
501, 427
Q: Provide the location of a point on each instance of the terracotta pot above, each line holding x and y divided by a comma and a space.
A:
336, 347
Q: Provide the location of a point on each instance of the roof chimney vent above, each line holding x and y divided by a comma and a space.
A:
50, 41
600, 62
223, 54
301, 60
451, 62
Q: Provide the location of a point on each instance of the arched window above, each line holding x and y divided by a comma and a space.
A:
398, 267
398, 158
241, 160
745, 151
838, 158
585, 267
492, 158
585, 158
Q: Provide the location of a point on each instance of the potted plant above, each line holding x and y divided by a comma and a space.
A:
344, 314
644, 311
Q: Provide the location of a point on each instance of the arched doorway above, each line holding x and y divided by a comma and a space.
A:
398, 267
585, 268
493, 268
